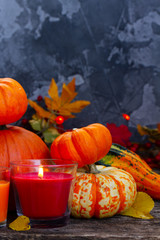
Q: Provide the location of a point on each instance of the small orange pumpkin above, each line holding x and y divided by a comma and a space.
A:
104, 194
13, 101
85, 145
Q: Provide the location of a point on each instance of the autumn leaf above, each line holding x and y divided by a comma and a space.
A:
20, 224
50, 134
60, 105
141, 208
44, 120
53, 91
153, 134
120, 134
68, 92
41, 112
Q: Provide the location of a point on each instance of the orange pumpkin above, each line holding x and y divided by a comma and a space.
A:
85, 145
104, 194
17, 143
13, 101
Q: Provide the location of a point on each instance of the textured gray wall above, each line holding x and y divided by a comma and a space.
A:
111, 46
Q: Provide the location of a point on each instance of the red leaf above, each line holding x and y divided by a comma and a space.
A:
120, 135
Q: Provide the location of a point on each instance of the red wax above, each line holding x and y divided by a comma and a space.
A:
45, 197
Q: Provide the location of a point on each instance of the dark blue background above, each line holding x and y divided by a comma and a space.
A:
112, 47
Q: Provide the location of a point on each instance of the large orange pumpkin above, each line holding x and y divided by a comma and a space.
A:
104, 194
17, 143
85, 145
13, 101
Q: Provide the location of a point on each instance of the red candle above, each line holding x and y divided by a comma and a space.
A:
43, 197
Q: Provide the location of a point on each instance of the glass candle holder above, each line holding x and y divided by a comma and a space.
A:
43, 190
4, 194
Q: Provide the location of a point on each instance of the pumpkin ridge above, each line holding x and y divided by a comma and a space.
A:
7, 148
121, 195
104, 195
102, 133
3, 97
76, 156
27, 143
93, 140
123, 178
76, 204
11, 138
77, 138
86, 180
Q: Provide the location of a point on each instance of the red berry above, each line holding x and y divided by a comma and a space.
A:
157, 157
148, 144
59, 119
149, 160
133, 149
39, 98
24, 121
157, 143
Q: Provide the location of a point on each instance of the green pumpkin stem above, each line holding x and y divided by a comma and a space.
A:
3, 127
92, 169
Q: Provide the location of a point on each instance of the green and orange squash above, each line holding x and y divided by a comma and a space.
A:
147, 180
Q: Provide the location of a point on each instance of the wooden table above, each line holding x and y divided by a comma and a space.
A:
117, 227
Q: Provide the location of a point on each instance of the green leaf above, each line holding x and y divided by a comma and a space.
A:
50, 134
36, 124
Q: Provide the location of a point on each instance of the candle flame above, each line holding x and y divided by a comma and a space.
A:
40, 172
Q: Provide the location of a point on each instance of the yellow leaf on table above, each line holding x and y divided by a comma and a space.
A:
20, 224
141, 207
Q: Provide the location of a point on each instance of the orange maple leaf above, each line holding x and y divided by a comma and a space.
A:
60, 105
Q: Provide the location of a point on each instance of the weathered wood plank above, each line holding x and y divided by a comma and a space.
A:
117, 227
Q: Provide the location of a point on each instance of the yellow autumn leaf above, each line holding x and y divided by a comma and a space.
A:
51, 104
60, 105
53, 91
141, 130
20, 224
141, 207
41, 112
67, 96
153, 134
68, 92
77, 106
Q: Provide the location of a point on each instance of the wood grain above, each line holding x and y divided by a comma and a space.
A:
117, 227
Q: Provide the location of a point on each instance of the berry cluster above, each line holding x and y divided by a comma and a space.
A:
148, 151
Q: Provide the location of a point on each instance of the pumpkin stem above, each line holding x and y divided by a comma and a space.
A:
93, 169
3, 127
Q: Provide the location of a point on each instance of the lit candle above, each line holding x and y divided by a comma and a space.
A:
43, 194
4, 194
